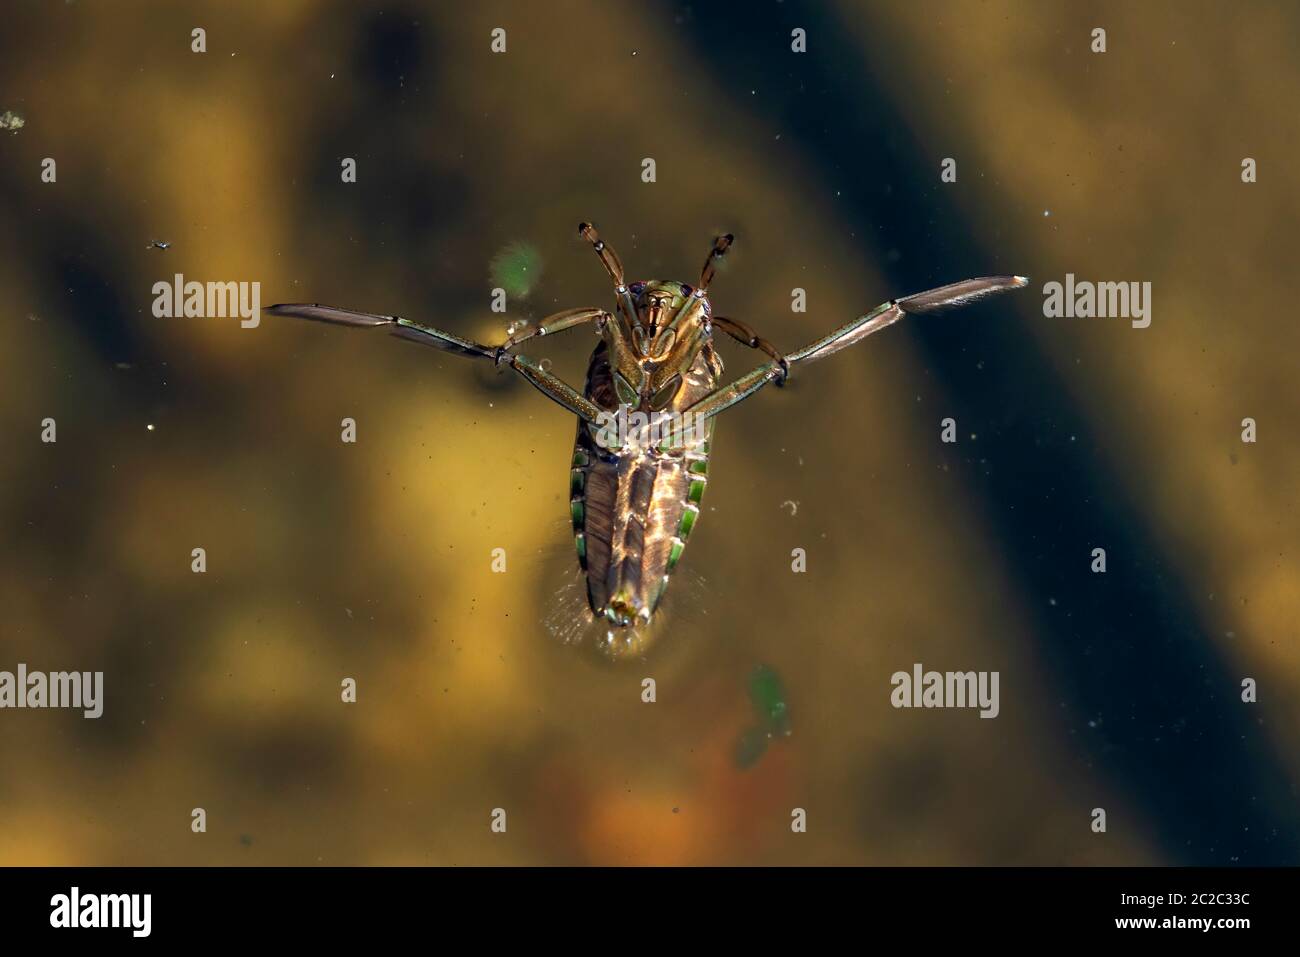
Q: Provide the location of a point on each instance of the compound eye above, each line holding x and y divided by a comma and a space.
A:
636, 288
626, 394
667, 392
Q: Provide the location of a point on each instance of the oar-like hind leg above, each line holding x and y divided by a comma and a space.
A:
551, 386
886, 314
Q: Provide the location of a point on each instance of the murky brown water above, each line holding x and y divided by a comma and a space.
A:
373, 560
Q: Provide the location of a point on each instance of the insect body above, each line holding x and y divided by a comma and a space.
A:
646, 415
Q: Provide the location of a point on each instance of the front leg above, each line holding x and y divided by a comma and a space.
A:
742, 332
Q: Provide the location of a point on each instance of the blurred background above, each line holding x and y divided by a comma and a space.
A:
373, 561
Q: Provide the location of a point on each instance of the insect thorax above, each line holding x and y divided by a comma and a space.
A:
654, 342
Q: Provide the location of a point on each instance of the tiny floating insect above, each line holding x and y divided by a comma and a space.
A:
158, 244
635, 492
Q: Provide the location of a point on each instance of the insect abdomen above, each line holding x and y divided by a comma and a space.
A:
632, 517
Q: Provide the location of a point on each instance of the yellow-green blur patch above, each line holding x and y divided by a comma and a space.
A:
767, 695
517, 269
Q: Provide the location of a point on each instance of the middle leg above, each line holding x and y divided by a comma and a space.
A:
553, 387
557, 322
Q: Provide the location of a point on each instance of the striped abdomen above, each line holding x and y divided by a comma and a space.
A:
634, 512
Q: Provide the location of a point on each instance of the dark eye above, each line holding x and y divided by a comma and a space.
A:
636, 288
666, 393
686, 290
